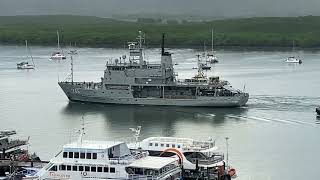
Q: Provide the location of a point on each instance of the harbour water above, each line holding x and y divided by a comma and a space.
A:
274, 137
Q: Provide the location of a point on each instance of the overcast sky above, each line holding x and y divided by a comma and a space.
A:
107, 8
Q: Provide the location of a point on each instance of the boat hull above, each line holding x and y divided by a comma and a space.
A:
101, 96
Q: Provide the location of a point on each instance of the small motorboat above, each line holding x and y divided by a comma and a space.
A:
318, 111
212, 59
25, 65
293, 59
57, 56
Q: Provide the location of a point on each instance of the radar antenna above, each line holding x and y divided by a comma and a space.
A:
136, 133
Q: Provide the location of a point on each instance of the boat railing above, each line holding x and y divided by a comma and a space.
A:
141, 177
127, 159
15, 143
207, 161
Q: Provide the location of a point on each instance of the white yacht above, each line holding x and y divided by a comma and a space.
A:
58, 55
293, 59
25, 64
107, 160
211, 57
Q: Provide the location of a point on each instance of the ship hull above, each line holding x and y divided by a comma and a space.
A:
96, 96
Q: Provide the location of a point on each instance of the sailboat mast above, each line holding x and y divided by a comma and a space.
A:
212, 41
58, 39
29, 52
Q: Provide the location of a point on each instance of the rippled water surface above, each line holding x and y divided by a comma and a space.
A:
276, 136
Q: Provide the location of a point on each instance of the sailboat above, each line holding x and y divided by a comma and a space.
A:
25, 64
211, 57
293, 59
58, 55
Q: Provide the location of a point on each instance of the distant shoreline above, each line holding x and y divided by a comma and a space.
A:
88, 31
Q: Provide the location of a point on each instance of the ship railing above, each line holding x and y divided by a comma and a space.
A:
141, 177
156, 175
127, 159
207, 161
16, 143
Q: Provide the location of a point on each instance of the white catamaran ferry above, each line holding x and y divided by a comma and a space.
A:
108, 160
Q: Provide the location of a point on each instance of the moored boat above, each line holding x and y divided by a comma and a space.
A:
85, 159
58, 55
25, 64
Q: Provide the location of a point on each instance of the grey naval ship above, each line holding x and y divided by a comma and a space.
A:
132, 80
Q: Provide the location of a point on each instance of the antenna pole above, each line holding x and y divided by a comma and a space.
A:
227, 144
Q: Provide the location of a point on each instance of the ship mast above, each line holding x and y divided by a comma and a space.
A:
72, 52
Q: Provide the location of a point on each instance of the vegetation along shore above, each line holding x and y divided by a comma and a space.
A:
105, 32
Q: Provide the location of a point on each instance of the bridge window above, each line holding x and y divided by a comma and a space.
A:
112, 170
74, 168
93, 169
82, 155
62, 167
70, 154
88, 156
54, 168
80, 168
94, 155
105, 169
76, 155
87, 168
65, 154
99, 169
68, 168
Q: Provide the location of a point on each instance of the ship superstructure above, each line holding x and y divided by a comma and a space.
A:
132, 80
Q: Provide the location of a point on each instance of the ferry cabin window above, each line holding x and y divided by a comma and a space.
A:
173, 145
162, 145
74, 168
68, 168
62, 167
82, 155
99, 169
88, 156
179, 146
76, 155
87, 168
112, 170
94, 155
80, 168
150, 144
105, 169
156, 144
70, 154
54, 168
65, 154
167, 145
93, 169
